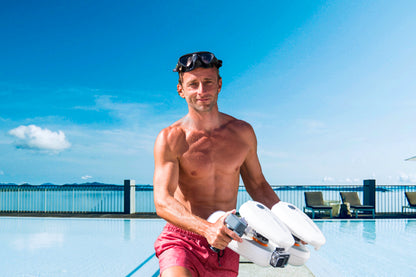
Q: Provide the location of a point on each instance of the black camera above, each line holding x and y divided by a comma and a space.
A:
279, 258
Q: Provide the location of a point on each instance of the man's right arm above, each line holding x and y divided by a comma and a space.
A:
165, 182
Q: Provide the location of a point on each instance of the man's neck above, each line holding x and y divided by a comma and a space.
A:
204, 121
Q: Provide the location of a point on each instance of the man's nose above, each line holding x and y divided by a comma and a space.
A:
202, 88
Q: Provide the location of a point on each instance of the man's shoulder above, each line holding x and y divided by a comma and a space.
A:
237, 124
172, 134
172, 131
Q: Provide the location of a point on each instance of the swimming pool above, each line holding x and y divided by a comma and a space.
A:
381, 247
124, 247
77, 247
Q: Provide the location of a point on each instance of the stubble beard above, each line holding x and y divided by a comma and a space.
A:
204, 107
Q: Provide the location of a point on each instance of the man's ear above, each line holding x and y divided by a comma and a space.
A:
219, 84
179, 88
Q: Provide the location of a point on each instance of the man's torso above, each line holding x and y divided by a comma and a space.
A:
209, 165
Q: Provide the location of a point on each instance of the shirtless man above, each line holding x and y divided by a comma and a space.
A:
198, 162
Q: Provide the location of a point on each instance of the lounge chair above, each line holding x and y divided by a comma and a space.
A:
411, 199
315, 202
355, 203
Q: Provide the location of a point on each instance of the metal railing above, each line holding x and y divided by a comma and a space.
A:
110, 198
389, 198
72, 199
144, 199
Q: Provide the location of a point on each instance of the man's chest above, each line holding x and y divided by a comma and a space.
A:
209, 154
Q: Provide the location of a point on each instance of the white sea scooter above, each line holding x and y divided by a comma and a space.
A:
272, 237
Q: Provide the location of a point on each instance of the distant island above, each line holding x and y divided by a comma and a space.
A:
50, 185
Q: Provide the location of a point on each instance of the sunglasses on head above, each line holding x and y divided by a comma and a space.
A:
191, 61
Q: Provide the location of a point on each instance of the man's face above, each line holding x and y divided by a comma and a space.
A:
200, 88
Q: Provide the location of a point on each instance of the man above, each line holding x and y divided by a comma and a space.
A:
198, 163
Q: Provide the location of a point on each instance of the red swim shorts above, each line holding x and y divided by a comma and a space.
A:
178, 247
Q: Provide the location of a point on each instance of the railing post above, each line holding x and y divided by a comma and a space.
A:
18, 200
369, 192
129, 196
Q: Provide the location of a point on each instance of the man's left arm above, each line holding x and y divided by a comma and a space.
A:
253, 178
252, 175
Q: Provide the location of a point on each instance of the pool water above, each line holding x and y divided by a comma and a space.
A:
382, 247
124, 247
78, 247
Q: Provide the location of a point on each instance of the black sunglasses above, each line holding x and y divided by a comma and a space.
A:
191, 61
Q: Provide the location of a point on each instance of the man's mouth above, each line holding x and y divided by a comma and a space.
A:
203, 99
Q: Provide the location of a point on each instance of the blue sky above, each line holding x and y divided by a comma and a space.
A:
329, 86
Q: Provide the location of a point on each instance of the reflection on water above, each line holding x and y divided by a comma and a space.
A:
75, 246
410, 226
37, 241
369, 232
127, 229
364, 229
350, 226
365, 248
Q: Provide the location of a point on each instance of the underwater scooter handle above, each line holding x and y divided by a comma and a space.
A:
254, 246
236, 224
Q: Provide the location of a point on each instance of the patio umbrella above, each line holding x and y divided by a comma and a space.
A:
411, 159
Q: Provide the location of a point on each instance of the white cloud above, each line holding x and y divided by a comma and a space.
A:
328, 179
346, 180
36, 138
407, 178
1, 172
86, 177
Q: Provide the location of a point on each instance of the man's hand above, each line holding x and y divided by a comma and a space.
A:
219, 236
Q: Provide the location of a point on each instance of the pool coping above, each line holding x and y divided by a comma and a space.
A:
154, 215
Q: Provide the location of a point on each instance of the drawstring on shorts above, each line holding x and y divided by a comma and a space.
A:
220, 255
